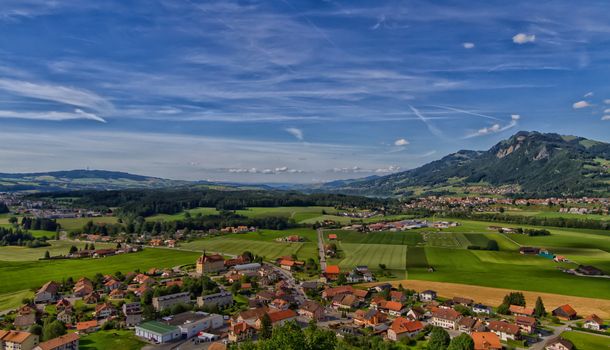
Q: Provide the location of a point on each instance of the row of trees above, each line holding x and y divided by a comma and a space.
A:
17, 237
517, 298
532, 220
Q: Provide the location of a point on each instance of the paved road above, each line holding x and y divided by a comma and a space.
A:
300, 293
321, 249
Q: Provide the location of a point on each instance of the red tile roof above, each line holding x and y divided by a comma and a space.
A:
503, 327
59, 341
333, 269
486, 341
401, 325
281, 315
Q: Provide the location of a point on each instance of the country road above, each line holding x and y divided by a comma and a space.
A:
321, 250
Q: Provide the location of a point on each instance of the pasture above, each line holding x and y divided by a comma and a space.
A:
584, 341
14, 253
269, 250
73, 224
400, 238
110, 340
392, 255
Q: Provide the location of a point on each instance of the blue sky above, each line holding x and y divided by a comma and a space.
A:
291, 91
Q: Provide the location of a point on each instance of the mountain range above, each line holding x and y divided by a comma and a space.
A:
528, 163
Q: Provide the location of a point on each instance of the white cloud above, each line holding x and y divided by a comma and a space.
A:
56, 93
495, 128
390, 169
266, 171
51, 116
607, 101
401, 142
607, 111
358, 170
523, 38
581, 104
588, 94
606, 117
468, 45
298, 133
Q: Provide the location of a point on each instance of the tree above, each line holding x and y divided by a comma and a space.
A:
439, 339
52, 329
47, 255
461, 342
266, 327
514, 298
73, 249
319, 339
503, 309
539, 310
36, 329
341, 279
13, 220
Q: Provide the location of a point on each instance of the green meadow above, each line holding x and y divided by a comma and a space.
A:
584, 341
110, 340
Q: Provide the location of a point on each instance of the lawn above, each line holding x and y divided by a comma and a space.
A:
14, 253
111, 340
392, 255
398, 238
584, 341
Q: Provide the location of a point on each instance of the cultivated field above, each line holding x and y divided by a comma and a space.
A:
13, 253
392, 255
78, 223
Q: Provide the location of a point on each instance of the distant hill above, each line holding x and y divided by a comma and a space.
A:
80, 180
528, 163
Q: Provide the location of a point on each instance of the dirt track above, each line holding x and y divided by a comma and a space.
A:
494, 296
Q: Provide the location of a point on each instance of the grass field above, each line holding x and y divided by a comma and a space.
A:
416, 257
583, 341
556, 214
13, 300
399, 238
14, 253
111, 340
24, 275
392, 255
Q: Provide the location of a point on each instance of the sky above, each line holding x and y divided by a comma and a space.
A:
291, 91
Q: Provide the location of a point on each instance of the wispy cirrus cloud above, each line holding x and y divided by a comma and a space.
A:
495, 128
296, 132
52, 115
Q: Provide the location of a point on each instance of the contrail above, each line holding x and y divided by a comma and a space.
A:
433, 129
466, 112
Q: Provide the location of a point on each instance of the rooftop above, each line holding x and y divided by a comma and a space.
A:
157, 327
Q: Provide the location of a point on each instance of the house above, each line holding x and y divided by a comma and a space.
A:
481, 309
112, 284
330, 293
66, 316
252, 315
104, 310
398, 296
26, 316
393, 308
16, 340
65, 342
345, 301
445, 318
47, 293
402, 327
87, 327
504, 330
117, 294
520, 310
526, 324
210, 263
278, 318
559, 344
416, 313
287, 264
279, 304
167, 301
312, 310
370, 318
158, 332
332, 272
466, 324
361, 294
83, 287
63, 304
565, 312
220, 300
92, 298
486, 341
240, 331
593, 322
427, 295
132, 313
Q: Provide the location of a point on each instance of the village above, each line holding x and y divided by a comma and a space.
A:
226, 300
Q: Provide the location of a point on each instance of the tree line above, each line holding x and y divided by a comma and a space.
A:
531, 220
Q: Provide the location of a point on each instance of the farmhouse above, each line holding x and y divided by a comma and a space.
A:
83, 287
593, 322
504, 330
427, 295
565, 312
158, 332
332, 272
402, 327
47, 293
486, 341
520, 310
559, 344
167, 301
